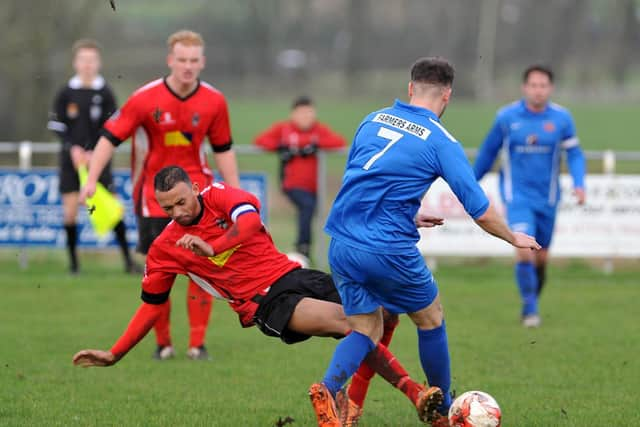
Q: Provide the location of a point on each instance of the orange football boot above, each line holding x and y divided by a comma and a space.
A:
324, 406
348, 411
427, 404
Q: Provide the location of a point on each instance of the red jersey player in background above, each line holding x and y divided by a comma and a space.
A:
297, 141
217, 239
171, 118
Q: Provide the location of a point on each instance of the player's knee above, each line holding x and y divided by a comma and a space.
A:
375, 335
372, 327
430, 317
525, 255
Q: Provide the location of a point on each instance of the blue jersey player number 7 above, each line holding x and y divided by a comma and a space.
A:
397, 153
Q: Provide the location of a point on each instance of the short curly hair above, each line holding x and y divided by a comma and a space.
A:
169, 177
433, 70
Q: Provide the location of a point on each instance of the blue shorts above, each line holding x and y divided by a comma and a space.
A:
537, 223
401, 283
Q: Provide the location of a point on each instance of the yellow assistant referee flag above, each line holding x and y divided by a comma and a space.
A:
105, 209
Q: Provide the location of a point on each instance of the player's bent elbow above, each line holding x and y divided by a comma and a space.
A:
489, 214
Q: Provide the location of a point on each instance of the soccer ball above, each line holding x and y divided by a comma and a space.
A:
475, 409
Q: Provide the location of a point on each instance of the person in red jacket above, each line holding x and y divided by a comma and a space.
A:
297, 141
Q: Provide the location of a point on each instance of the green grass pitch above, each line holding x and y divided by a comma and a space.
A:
580, 368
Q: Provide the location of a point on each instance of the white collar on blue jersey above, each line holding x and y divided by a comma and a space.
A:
76, 83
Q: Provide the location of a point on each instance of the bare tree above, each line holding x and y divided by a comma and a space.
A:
626, 40
33, 32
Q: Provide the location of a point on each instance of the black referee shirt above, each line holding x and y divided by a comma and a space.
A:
79, 112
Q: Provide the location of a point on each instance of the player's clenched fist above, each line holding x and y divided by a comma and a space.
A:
88, 358
195, 244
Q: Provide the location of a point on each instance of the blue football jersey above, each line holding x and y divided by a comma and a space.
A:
396, 155
531, 145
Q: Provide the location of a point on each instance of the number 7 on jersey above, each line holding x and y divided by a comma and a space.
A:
385, 133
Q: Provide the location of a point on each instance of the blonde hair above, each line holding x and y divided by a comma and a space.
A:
85, 44
186, 37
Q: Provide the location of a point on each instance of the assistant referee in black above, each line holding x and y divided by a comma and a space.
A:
79, 110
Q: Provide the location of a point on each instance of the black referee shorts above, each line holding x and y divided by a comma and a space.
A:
69, 181
277, 306
148, 229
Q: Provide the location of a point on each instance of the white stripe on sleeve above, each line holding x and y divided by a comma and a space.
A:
240, 209
570, 143
56, 126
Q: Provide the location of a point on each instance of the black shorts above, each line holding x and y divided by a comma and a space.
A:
277, 306
69, 181
148, 230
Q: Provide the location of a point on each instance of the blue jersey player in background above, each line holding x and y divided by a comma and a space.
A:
397, 153
531, 135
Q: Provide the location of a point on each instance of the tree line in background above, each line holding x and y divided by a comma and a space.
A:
268, 46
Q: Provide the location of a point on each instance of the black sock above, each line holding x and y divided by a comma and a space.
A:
304, 249
542, 276
72, 240
121, 236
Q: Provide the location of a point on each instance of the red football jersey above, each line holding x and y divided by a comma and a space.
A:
300, 172
173, 129
236, 274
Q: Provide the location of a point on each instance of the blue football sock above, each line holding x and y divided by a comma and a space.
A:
434, 356
527, 279
347, 357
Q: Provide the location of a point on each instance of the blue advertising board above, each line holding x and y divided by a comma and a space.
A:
31, 208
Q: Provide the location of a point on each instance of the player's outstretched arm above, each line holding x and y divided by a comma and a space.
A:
491, 222
140, 325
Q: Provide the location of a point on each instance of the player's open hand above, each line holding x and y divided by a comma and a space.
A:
581, 196
524, 241
428, 221
195, 244
88, 358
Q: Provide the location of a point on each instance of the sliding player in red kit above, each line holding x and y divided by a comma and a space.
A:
169, 119
217, 239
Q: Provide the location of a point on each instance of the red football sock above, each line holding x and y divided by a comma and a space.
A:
162, 327
388, 367
359, 386
199, 305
